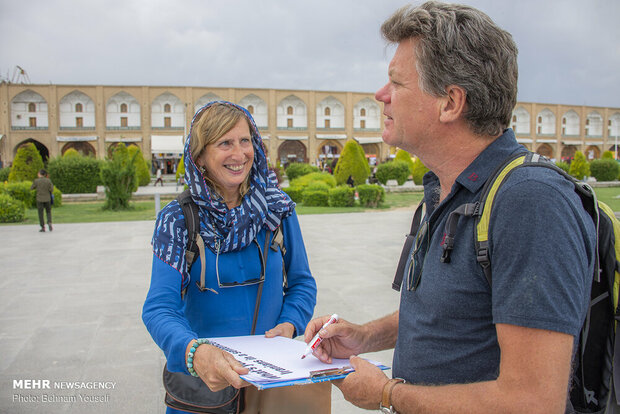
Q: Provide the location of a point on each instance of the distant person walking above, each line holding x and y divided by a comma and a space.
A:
159, 179
44, 188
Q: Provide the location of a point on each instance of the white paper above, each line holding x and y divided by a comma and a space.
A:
274, 360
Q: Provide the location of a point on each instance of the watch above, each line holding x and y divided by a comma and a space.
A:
386, 402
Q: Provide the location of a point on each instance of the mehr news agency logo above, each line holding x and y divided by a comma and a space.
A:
63, 391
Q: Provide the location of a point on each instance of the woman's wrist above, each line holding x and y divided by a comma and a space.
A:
189, 359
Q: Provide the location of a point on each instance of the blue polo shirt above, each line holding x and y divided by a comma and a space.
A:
541, 244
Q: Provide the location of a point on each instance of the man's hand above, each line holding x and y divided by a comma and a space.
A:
340, 339
283, 329
364, 387
218, 369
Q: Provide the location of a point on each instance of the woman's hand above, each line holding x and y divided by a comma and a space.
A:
283, 329
218, 369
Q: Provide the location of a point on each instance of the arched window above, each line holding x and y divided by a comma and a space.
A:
32, 107
363, 112
167, 107
124, 108
328, 111
289, 110
78, 107
251, 109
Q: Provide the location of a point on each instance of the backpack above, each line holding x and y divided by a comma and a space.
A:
596, 369
195, 245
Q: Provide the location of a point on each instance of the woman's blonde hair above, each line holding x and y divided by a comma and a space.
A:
212, 124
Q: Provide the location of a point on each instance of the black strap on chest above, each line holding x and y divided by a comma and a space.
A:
410, 239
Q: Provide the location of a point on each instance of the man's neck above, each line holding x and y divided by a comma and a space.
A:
452, 154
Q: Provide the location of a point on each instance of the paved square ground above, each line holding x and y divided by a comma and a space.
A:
70, 305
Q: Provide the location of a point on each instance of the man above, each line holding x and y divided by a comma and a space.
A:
461, 345
44, 189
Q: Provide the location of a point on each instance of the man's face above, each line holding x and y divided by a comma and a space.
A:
411, 113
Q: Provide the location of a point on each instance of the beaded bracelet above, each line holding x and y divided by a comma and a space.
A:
190, 355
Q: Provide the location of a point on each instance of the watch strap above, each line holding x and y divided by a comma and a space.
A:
386, 400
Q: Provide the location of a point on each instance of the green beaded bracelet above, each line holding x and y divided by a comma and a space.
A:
190, 355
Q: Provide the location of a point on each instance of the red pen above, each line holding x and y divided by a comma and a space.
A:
314, 343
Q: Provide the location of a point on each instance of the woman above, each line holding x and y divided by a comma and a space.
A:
239, 205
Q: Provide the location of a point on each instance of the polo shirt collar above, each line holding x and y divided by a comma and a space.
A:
477, 173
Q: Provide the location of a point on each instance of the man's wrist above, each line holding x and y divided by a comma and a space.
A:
386, 401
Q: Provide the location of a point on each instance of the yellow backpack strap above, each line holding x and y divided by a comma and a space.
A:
486, 204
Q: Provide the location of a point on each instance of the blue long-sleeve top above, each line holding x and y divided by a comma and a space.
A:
173, 322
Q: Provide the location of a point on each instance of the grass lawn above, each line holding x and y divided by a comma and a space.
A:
90, 212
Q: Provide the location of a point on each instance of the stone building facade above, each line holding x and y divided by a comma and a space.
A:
296, 125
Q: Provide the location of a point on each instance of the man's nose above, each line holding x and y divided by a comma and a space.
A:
382, 94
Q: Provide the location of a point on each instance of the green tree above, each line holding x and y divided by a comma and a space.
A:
608, 155
180, 168
142, 166
579, 167
119, 178
402, 155
419, 169
26, 164
71, 152
363, 154
351, 163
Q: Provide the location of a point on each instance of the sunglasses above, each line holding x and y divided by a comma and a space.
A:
248, 282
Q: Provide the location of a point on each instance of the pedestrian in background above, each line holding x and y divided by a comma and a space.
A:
44, 188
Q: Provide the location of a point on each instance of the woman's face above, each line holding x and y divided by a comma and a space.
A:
228, 160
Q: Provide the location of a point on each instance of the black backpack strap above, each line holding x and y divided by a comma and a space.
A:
404, 255
466, 210
278, 242
195, 245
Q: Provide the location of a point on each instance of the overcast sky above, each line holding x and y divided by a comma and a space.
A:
569, 50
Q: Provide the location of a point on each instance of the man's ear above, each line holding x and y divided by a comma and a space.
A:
453, 104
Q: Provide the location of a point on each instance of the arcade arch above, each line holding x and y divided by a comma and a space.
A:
83, 147
292, 151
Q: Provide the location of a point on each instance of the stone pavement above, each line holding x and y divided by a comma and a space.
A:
71, 300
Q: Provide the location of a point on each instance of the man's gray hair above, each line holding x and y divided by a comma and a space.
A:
460, 45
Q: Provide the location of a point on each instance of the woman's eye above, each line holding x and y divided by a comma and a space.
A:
224, 143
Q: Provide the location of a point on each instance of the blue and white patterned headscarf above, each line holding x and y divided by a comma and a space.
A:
263, 205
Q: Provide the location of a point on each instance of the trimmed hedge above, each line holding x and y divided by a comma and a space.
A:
305, 180
371, 195
75, 174
605, 169
563, 165
316, 198
298, 169
341, 196
21, 191
11, 210
394, 170
419, 169
295, 193
402, 155
4, 174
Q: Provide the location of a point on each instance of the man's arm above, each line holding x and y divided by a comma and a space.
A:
533, 378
